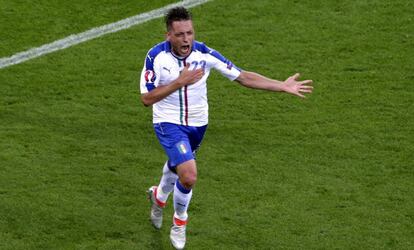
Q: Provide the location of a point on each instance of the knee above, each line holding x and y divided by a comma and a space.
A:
188, 180
187, 173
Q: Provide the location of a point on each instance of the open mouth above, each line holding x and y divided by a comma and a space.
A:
185, 48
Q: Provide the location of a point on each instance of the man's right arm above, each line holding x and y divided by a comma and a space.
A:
186, 77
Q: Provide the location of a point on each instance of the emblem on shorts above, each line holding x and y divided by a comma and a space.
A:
149, 76
182, 148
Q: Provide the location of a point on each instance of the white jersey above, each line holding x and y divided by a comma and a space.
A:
188, 105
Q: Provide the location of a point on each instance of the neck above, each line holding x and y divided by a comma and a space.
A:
175, 54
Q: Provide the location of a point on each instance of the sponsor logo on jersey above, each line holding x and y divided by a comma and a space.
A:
166, 69
149, 76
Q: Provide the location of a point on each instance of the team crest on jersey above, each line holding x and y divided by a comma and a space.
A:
149, 76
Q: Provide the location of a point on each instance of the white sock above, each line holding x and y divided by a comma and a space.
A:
182, 198
167, 183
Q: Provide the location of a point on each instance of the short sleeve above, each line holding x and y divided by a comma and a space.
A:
149, 75
224, 66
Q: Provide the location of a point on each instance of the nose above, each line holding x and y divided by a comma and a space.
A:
185, 39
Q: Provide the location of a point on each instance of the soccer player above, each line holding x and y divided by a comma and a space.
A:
173, 81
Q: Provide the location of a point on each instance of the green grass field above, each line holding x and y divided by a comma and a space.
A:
333, 171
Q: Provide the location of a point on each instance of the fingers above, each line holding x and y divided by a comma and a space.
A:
306, 82
199, 74
296, 76
306, 87
186, 67
191, 72
298, 88
199, 70
191, 76
300, 95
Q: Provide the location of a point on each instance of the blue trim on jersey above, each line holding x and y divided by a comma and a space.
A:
197, 46
219, 56
166, 46
206, 50
149, 61
150, 86
152, 53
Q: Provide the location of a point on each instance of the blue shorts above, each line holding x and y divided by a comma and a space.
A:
179, 142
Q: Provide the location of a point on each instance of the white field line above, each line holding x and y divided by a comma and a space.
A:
93, 33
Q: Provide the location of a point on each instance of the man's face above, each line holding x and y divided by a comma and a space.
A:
181, 37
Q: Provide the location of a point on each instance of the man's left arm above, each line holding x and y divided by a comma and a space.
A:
291, 85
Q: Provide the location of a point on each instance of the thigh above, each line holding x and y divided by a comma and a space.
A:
175, 141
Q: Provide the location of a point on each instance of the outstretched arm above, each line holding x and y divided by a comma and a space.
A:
292, 85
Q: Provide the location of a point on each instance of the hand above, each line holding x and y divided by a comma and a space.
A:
188, 77
295, 87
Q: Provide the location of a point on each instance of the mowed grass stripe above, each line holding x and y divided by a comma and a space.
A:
93, 33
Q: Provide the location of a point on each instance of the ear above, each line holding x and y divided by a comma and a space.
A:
167, 36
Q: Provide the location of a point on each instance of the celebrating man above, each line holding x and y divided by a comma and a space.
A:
173, 81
